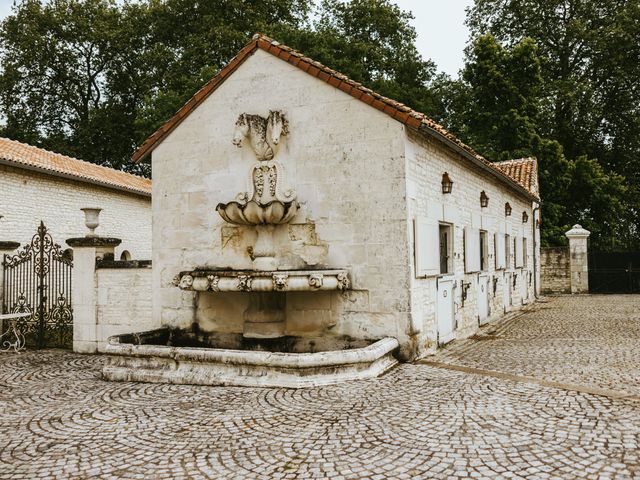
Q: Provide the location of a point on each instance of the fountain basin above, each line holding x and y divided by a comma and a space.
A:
156, 357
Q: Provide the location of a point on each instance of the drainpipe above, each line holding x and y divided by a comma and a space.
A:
535, 271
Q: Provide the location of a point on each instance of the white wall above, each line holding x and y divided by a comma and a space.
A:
26, 197
426, 163
123, 302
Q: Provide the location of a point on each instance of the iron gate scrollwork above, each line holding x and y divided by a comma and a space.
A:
37, 280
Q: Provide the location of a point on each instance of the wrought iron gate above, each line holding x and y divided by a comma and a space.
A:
37, 280
614, 272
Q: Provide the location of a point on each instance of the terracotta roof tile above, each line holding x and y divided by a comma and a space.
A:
413, 119
27, 156
522, 170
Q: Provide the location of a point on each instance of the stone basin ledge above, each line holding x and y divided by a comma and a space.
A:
263, 281
216, 366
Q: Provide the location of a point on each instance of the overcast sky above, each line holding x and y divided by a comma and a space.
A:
440, 25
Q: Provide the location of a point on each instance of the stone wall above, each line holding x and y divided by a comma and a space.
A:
28, 197
123, 300
426, 163
555, 270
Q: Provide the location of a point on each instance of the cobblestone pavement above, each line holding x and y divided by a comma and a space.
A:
589, 340
58, 419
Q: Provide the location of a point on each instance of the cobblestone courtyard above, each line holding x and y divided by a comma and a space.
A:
58, 419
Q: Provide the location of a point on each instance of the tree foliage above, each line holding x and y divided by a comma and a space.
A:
497, 105
590, 93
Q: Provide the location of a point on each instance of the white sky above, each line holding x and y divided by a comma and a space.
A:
440, 25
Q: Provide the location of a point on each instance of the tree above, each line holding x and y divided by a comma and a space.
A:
590, 94
497, 105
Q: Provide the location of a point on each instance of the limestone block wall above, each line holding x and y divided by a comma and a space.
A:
346, 161
555, 270
123, 302
426, 163
28, 197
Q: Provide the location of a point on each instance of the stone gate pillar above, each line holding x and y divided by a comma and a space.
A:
579, 260
5, 248
86, 251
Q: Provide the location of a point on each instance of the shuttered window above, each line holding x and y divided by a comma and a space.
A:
500, 251
427, 247
519, 253
471, 250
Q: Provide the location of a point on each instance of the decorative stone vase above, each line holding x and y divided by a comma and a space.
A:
268, 202
91, 219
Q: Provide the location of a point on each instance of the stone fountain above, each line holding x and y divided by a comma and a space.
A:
263, 354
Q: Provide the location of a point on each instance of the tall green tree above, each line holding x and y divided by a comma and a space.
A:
590, 94
497, 105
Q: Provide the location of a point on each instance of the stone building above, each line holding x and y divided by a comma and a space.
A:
434, 239
38, 185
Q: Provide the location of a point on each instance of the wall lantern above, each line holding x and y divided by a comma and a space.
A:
525, 217
447, 183
507, 209
484, 200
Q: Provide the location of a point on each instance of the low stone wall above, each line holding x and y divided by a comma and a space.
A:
123, 299
555, 270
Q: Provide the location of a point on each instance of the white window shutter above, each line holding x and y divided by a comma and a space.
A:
501, 259
427, 247
471, 249
519, 253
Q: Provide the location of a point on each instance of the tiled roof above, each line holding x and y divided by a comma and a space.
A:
522, 170
27, 156
396, 110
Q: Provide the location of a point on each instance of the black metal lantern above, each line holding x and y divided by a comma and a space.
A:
447, 183
525, 217
484, 199
507, 209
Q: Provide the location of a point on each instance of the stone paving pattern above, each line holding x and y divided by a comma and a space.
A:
590, 340
58, 419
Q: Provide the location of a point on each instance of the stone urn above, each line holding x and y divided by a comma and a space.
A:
91, 219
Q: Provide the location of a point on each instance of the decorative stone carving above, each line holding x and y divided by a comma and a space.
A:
186, 282
214, 281
176, 281
268, 202
280, 281
263, 133
315, 280
264, 281
343, 281
244, 283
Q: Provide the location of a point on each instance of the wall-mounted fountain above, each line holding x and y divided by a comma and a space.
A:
264, 353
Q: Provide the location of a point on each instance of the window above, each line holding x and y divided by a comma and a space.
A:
446, 249
515, 252
507, 250
484, 251
125, 255
524, 252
